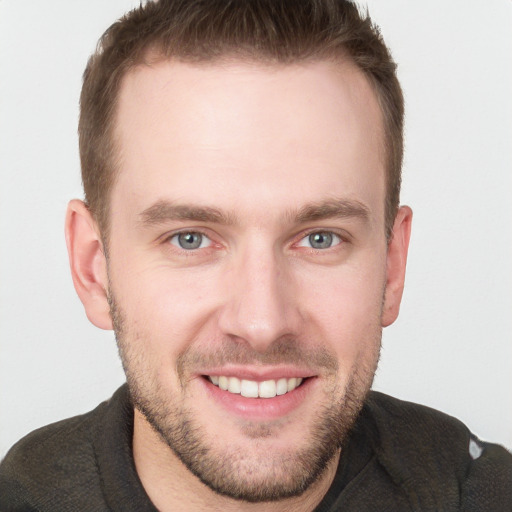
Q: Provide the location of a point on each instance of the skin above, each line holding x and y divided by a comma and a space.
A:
262, 147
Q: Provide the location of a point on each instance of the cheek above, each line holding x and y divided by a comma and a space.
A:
347, 310
164, 308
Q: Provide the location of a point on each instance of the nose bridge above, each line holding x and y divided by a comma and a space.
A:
259, 308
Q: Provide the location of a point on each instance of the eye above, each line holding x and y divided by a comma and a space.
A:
190, 240
320, 240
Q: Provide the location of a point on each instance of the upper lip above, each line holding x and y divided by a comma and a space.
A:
259, 374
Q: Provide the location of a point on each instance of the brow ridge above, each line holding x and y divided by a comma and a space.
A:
332, 208
163, 211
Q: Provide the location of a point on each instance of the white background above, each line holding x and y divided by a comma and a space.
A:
451, 347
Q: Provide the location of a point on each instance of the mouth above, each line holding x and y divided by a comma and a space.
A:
254, 396
255, 389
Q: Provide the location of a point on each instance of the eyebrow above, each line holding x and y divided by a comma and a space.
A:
164, 211
332, 209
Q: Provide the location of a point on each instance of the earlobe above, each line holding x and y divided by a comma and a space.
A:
396, 263
88, 263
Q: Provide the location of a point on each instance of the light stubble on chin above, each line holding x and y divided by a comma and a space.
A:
228, 470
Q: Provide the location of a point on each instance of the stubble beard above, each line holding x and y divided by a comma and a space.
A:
228, 471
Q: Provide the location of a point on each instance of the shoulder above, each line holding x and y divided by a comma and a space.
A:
50, 463
432, 455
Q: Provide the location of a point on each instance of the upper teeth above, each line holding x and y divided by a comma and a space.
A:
254, 389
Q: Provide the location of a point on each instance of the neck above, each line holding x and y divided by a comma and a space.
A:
171, 486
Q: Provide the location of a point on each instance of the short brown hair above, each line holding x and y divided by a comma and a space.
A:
279, 31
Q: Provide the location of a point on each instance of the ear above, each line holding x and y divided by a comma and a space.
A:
396, 262
88, 263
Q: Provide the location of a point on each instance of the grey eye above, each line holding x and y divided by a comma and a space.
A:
190, 240
321, 240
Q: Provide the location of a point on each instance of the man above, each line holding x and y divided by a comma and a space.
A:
243, 237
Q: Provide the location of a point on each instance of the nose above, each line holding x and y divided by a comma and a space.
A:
261, 305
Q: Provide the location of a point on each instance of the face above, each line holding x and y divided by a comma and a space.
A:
248, 264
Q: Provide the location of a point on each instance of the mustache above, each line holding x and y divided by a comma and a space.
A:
282, 351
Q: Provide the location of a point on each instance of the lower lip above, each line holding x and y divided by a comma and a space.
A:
260, 408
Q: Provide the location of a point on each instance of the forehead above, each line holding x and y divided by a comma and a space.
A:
225, 131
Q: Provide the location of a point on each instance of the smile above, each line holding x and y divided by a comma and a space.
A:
255, 389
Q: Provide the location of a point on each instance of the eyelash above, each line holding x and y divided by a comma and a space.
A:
341, 239
175, 235
334, 234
